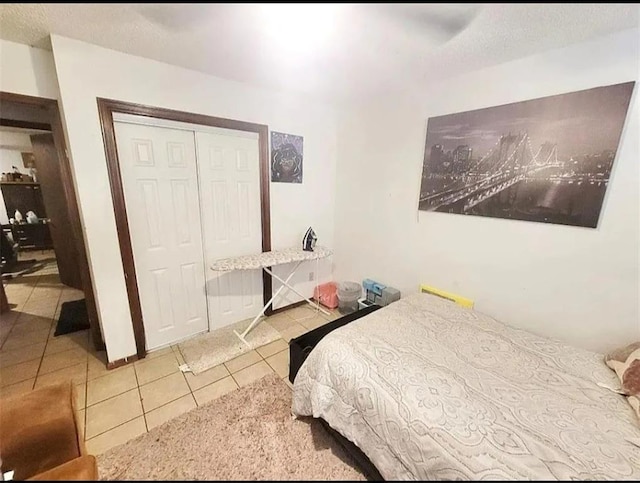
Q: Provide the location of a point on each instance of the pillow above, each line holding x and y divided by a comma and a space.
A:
628, 370
622, 353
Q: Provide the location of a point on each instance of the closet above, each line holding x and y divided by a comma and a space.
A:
192, 195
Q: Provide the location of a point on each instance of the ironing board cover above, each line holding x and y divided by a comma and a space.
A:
268, 259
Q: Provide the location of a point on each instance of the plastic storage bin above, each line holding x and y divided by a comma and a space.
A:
348, 295
327, 294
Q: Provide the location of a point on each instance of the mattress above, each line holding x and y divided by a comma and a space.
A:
430, 390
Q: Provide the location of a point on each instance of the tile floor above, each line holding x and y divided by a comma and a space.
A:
117, 405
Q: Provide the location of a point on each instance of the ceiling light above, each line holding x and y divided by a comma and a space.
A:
299, 27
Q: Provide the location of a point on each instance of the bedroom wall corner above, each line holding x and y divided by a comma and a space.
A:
579, 285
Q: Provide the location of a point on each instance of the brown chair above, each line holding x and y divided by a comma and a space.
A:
40, 437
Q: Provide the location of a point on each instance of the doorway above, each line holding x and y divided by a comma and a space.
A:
124, 219
41, 228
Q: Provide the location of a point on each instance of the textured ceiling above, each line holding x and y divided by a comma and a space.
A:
366, 50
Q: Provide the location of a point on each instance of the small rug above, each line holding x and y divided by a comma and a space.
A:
221, 345
248, 434
73, 317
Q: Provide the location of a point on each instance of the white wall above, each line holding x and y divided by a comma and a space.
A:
86, 71
577, 284
27, 70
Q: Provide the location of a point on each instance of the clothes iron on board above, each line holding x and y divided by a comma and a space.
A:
309, 240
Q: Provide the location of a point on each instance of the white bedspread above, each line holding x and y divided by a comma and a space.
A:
429, 390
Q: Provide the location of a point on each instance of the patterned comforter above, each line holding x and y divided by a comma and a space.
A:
429, 390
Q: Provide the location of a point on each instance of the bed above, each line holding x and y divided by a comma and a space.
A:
430, 390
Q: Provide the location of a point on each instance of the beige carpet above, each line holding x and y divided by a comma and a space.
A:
221, 345
248, 434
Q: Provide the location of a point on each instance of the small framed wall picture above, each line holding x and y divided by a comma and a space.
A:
28, 160
286, 158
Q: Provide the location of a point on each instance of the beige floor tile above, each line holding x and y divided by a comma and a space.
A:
113, 412
76, 374
19, 372
111, 385
293, 332
179, 356
169, 411
76, 340
44, 297
279, 363
240, 362
313, 323
4, 333
81, 422
8, 320
97, 365
116, 436
302, 312
81, 396
69, 294
272, 348
28, 353
333, 314
159, 353
19, 388
22, 340
61, 360
44, 311
252, 373
280, 321
33, 325
215, 390
152, 369
207, 377
163, 390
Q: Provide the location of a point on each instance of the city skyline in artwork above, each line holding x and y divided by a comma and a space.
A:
546, 160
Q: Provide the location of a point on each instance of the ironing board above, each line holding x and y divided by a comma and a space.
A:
265, 261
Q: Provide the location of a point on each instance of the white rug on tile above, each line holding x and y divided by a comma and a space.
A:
221, 345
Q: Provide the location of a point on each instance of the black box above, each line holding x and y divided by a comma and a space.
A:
301, 347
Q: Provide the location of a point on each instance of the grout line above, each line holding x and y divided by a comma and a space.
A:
164, 404
117, 426
144, 418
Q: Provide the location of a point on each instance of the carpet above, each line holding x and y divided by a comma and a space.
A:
248, 434
73, 317
221, 345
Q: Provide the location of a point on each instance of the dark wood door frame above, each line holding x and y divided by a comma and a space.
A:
106, 108
51, 105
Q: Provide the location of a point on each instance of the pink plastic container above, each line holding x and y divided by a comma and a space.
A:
327, 294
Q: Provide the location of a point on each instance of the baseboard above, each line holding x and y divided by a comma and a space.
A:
122, 362
286, 307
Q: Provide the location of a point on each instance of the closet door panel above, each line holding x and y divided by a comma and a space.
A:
159, 177
229, 177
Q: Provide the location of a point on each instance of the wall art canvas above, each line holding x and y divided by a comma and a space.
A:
547, 160
286, 158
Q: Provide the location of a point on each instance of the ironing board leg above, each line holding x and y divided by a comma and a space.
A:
314, 305
255, 321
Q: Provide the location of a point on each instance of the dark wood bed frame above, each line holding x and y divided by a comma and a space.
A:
361, 459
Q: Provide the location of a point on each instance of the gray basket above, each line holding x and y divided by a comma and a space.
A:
349, 291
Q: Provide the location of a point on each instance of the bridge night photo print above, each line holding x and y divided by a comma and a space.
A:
546, 160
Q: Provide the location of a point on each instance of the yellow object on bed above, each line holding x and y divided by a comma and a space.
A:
463, 301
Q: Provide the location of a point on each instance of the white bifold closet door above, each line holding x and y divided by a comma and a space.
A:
159, 177
229, 179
